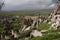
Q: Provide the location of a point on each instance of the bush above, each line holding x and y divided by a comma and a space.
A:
43, 26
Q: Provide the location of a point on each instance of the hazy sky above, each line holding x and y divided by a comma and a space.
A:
28, 4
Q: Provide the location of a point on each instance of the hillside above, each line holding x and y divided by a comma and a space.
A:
34, 12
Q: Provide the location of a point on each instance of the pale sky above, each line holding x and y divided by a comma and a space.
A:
28, 4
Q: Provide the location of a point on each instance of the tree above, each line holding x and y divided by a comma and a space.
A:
1, 3
58, 0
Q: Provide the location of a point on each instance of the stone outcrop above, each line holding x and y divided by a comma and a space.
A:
55, 16
36, 33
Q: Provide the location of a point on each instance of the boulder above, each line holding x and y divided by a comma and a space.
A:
36, 33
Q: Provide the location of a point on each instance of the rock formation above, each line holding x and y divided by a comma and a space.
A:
55, 16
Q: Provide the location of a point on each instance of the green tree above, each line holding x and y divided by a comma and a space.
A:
1, 4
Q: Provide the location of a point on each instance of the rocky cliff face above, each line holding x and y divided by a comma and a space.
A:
55, 15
